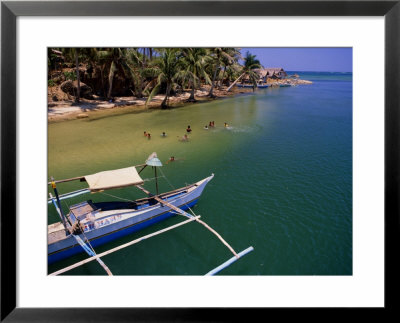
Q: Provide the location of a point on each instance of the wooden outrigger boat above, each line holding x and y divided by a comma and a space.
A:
90, 224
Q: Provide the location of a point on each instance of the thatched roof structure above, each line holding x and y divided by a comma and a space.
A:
271, 72
266, 73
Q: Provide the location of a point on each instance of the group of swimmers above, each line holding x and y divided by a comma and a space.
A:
212, 125
188, 130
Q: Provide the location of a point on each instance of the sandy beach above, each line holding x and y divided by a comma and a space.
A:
69, 110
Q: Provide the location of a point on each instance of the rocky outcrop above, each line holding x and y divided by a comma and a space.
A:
71, 88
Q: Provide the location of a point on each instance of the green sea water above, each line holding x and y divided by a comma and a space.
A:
283, 180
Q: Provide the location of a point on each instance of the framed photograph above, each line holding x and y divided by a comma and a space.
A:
276, 124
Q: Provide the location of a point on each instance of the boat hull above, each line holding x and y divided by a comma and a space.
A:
132, 221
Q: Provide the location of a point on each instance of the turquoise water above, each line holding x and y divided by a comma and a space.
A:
283, 180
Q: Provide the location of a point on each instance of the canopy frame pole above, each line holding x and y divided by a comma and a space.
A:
155, 175
61, 271
180, 211
144, 166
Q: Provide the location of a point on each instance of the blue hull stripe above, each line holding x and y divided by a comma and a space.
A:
65, 253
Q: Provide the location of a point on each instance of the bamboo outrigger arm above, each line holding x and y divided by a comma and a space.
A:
180, 211
121, 247
193, 218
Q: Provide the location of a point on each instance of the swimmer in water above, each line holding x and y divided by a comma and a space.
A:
226, 125
145, 133
184, 138
172, 159
206, 127
163, 134
148, 136
188, 129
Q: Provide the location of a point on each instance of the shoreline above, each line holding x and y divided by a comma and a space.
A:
59, 111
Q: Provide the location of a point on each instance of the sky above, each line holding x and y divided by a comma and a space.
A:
327, 59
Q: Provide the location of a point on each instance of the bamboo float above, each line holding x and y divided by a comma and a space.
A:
189, 216
229, 262
122, 246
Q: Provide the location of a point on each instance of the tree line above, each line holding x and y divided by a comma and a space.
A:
146, 72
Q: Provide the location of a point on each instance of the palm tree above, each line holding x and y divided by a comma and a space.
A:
73, 53
136, 65
232, 72
115, 59
235, 54
219, 55
54, 56
167, 69
250, 64
78, 89
195, 60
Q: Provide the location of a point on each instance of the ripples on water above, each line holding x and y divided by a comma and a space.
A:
283, 180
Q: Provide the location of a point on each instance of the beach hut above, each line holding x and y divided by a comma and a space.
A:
272, 73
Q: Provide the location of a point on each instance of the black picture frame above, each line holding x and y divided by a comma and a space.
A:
10, 10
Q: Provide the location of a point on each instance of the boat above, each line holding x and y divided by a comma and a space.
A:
89, 224
260, 86
284, 85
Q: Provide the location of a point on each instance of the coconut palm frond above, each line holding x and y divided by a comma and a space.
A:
151, 84
151, 71
154, 92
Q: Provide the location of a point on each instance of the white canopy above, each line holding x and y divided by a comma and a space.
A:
113, 179
153, 160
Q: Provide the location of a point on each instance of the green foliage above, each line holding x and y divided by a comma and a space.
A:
149, 71
70, 76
